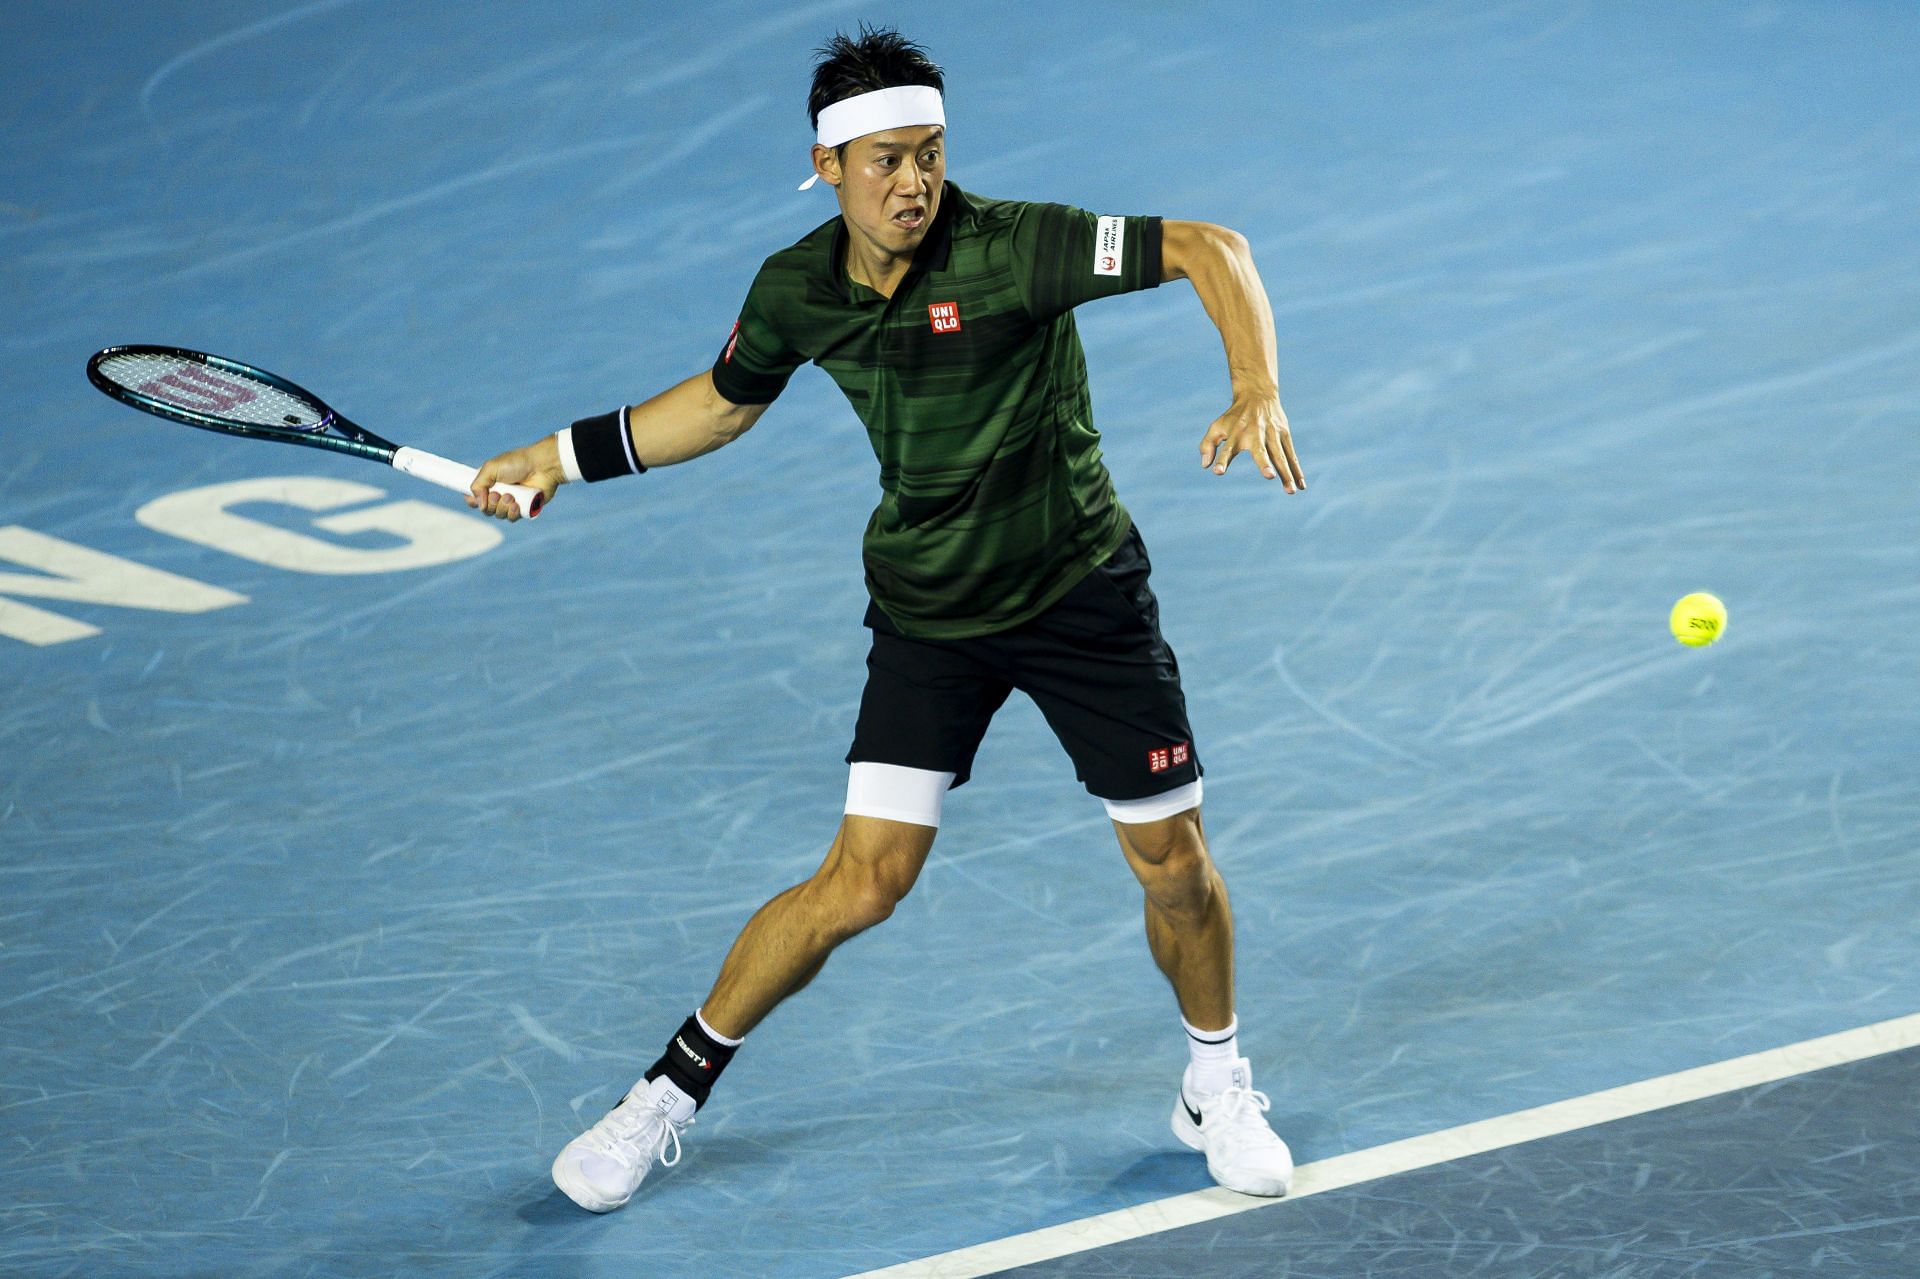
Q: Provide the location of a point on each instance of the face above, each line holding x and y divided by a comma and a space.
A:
889, 185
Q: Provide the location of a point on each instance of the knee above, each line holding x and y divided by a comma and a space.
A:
861, 884
865, 900
1170, 858
1185, 885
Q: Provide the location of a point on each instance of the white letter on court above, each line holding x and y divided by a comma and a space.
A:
433, 535
88, 577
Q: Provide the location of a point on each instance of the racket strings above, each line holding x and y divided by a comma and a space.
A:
216, 393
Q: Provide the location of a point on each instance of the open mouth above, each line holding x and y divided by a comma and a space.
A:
910, 219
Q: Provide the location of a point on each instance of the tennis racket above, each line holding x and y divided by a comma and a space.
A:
237, 399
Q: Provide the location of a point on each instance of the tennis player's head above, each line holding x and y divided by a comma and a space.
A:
880, 131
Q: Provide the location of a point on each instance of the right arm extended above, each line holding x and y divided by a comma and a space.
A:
681, 422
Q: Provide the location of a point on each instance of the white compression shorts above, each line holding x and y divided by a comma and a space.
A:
1155, 807
895, 793
914, 795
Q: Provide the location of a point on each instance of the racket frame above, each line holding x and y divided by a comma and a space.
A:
357, 441
353, 439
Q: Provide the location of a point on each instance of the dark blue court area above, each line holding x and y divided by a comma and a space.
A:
356, 853
1811, 1176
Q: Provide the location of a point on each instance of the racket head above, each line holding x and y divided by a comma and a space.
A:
210, 391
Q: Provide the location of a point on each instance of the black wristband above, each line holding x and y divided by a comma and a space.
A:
602, 448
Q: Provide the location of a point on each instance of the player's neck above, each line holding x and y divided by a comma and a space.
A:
869, 264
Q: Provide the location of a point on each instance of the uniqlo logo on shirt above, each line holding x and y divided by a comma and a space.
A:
1161, 758
945, 316
733, 340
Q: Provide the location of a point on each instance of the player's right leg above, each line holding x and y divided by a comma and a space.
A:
925, 708
872, 864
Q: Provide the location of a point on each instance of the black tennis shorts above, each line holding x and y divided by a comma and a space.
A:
1094, 663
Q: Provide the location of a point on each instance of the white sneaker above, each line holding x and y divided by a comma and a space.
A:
602, 1167
1230, 1127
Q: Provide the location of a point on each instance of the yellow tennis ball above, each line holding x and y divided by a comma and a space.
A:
1698, 619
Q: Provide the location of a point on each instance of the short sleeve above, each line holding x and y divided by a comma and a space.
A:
754, 365
1063, 256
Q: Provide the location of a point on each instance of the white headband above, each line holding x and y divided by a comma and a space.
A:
877, 112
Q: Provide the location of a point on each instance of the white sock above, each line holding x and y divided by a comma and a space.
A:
1214, 1053
713, 1034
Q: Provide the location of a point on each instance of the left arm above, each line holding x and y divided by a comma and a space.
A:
1220, 265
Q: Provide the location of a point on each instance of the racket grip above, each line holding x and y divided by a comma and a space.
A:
449, 474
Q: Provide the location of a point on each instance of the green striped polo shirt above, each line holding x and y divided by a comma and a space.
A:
973, 388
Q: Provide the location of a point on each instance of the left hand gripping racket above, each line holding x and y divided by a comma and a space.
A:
216, 394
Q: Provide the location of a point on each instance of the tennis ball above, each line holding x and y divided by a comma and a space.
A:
1698, 619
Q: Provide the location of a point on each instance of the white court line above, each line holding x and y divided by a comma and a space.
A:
1420, 1152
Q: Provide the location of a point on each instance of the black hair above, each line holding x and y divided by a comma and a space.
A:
879, 58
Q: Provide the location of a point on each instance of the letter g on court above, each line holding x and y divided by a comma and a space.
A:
430, 534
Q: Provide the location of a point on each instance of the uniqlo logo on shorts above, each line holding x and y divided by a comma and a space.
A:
945, 316
1161, 758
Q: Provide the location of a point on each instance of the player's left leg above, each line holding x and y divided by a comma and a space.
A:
1189, 919
1190, 932
1108, 683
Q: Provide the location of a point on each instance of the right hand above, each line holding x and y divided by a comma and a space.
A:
536, 466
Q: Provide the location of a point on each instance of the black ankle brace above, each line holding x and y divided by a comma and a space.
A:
693, 1061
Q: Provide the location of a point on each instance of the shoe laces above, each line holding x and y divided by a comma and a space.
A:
639, 1134
1243, 1111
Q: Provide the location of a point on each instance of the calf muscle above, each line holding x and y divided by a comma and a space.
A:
1189, 919
872, 864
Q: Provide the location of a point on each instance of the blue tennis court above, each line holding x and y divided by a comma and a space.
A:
358, 852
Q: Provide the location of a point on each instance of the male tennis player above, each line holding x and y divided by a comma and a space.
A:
998, 559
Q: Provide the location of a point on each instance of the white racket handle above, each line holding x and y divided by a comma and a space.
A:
449, 474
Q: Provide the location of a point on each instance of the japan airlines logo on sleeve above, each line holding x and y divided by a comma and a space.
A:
1109, 245
945, 316
733, 340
